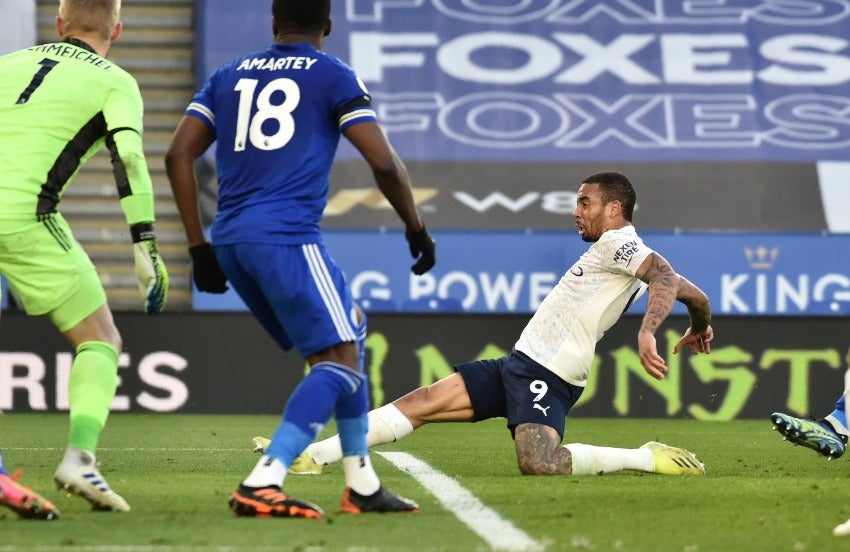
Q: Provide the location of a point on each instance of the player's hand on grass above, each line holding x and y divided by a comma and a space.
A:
423, 248
151, 274
206, 271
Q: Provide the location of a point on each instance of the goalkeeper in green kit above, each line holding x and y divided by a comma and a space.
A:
59, 104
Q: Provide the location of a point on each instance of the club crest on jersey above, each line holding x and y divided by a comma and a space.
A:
626, 252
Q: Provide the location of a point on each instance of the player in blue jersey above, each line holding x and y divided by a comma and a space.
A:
276, 117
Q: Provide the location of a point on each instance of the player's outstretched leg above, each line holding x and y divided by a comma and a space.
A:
381, 502
78, 474
24, 501
668, 460
816, 435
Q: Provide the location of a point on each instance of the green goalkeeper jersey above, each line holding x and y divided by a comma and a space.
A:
59, 104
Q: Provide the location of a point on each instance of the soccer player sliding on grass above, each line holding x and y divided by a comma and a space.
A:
536, 385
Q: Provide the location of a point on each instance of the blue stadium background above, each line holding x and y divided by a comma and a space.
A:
732, 118
732, 122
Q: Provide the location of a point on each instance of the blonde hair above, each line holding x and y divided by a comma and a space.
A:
90, 16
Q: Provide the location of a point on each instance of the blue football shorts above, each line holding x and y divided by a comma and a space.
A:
297, 292
519, 389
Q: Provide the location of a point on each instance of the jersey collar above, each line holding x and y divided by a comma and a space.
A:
79, 44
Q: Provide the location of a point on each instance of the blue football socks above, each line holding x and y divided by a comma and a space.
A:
310, 407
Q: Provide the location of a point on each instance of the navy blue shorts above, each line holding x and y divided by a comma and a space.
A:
519, 389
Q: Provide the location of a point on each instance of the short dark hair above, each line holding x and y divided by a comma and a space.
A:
302, 15
615, 187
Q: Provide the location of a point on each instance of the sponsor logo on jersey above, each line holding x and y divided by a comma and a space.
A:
626, 252
543, 409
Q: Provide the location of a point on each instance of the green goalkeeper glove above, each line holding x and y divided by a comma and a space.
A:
150, 269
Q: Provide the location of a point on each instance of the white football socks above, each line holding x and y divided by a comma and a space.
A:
268, 471
593, 460
386, 424
360, 476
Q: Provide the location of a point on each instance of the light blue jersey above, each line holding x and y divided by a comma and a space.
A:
277, 116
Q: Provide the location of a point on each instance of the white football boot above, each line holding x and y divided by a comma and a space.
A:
78, 474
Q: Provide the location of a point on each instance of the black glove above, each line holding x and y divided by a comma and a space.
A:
206, 272
423, 248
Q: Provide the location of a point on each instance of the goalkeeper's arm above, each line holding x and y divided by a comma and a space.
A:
136, 195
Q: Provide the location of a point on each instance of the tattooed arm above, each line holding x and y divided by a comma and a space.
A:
697, 302
699, 335
665, 287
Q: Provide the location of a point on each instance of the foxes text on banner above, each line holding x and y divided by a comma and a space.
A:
511, 98
606, 80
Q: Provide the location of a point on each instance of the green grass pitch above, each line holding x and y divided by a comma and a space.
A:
176, 471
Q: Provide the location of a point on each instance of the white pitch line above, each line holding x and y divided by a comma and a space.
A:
499, 533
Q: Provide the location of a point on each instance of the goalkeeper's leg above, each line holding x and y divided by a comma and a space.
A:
91, 389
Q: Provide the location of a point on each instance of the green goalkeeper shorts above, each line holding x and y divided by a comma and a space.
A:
48, 271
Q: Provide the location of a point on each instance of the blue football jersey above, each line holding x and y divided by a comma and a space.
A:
277, 116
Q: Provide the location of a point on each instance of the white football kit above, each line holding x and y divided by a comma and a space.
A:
588, 299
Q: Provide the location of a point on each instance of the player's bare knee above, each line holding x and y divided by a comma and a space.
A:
109, 333
117, 342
